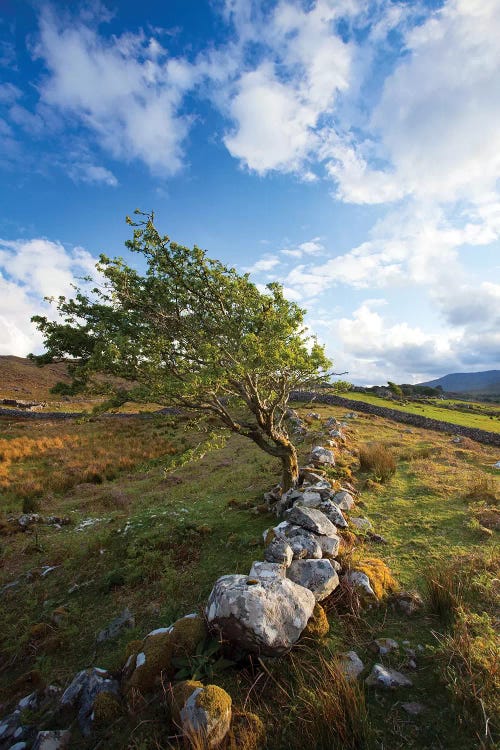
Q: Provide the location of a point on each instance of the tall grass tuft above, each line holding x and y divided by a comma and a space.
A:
445, 591
330, 710
378, 459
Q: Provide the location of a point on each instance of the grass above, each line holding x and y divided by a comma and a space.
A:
435, 410
378, 459
157, 542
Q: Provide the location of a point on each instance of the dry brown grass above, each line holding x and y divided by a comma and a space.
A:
329, 711
378, 459
36, 467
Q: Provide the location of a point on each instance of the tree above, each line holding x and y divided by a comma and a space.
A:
395, 389
191, 332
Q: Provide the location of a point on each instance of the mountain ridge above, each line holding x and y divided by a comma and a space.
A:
487, 381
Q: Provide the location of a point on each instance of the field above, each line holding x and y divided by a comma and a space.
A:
436, 409
159, 508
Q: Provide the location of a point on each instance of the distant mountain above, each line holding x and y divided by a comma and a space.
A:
468, 382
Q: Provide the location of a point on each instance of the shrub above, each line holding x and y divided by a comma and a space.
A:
378, 459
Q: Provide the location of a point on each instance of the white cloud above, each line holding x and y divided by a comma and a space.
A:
125, 91
264, 264
92, 174
29, 271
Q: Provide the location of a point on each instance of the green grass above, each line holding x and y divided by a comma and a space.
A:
162, 540
434, 410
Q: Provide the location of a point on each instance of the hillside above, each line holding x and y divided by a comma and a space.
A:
468, 382
21, 379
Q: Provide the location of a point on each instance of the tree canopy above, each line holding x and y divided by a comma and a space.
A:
192, 332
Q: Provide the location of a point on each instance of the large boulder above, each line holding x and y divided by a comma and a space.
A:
319, 576
311, 519
261, 616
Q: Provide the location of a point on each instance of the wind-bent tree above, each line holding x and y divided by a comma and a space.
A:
191, 332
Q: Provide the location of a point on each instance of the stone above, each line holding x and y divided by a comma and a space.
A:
331, 422
264, 617
336, 434
361, 581
408, 602
333, 513
144, 668
312, 477
125, 620
363, 524
314, 415
384, 646
286, 501
177, 695
82, 692
206, 715
343, 499
311, 519
310, 499
413, 708
329, 545
266, 570
384, 677
322, 456
54, 739
319, 576
350, 664
305, 546
279, 551
496, 465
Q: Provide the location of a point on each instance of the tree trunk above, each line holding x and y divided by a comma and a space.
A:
290, 467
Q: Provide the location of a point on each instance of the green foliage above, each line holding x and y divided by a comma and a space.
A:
190, 331
341, 386
395, 389
204, 664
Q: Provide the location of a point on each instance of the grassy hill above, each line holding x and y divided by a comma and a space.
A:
21, 379
156, 541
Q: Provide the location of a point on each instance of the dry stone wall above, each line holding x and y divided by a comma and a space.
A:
415, 420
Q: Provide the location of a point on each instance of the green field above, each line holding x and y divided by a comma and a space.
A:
436, 410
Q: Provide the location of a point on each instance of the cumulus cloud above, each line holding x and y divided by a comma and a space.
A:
127, 92
29, 271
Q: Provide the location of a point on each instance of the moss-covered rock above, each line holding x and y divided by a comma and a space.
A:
133, 647
39, 631
247, 732
178, 695
28, 683
106, 708
206, 715
145, 667
318, 625
379, 575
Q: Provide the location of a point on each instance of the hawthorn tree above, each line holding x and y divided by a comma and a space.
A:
191, 332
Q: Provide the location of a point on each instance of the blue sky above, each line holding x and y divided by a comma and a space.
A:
348, 148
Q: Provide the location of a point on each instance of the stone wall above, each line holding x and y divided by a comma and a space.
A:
415, 420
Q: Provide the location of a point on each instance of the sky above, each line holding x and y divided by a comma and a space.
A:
349, 149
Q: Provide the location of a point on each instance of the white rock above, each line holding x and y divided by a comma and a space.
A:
209, 726
329, 545
266, 570
320, 455
343, 499
333, 513
267, 617
351, 665
279, 551
311, 519
55, 739
384, 677
363, 524
361, 580
319, 576
305, 546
